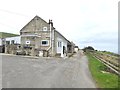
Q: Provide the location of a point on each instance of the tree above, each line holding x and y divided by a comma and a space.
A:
88, 48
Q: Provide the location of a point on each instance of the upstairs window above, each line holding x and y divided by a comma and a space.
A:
44, 28
27, 42
44, 42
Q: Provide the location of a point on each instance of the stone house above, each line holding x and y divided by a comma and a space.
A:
39, 37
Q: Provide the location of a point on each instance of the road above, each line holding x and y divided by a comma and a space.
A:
30, 72
0, 72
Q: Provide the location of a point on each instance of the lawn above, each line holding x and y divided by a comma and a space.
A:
4, 35
103, 80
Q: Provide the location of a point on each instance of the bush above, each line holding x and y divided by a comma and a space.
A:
90, 48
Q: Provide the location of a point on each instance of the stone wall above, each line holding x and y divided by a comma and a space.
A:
35, 27
11, 49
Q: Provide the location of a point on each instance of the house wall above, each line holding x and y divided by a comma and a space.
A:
34, 33
35, 25
1, 49
58, 37
35, 29
0, 42
17, 39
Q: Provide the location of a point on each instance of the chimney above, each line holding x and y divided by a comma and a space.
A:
50, 22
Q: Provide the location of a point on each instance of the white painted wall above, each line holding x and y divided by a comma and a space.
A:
76, 49
59, 48
0, 42
17, 39
64, 43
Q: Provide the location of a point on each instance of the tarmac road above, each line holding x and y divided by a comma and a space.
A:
28, 72
0, 72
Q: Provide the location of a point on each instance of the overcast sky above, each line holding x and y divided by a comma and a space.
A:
85, 22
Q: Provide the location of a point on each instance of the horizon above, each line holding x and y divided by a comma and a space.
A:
76, 45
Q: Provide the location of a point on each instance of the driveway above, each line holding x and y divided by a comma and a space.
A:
30, 72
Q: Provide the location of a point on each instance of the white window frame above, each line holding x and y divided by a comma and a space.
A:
45, 44
59, 44
27, 42
44, 28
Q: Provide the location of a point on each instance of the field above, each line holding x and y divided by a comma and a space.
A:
102, 78
4, 35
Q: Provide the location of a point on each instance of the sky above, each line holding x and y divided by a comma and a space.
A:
85, 22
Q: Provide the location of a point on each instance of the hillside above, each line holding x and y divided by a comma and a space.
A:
4, 35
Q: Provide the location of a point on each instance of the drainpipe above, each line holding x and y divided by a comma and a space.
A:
50, 36
52, 41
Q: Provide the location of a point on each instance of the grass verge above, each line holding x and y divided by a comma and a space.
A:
103, 80
4, 35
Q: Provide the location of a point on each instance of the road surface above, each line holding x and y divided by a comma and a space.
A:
30, 72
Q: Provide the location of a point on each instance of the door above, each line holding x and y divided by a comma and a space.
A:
64, 50
59, 46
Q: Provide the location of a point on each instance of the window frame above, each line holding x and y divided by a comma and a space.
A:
45, 29
59, 44
27, 41
12, 41
45, 44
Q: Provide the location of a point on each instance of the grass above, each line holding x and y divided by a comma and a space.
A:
110, 53
4, 35
107, 52
103, 80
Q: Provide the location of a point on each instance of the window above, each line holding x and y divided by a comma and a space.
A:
7, 42
44, 28
59, 44
33, 38
27, 42
12, 42
44, 42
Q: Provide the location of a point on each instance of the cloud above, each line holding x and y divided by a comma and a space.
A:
102, 41
81, 21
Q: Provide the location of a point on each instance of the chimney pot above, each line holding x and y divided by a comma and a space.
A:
49, 21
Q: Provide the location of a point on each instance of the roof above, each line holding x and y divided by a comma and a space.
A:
63, 36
